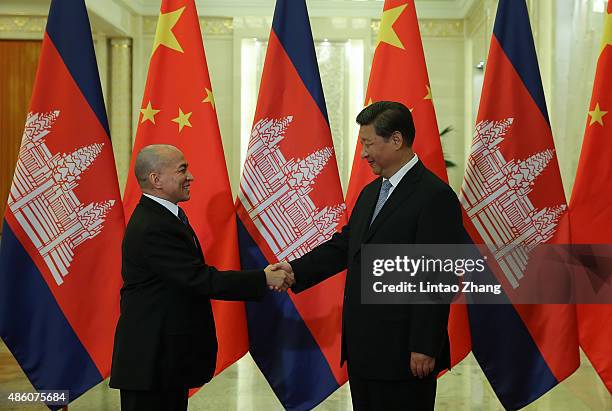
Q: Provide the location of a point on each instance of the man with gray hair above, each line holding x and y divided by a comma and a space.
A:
165, 342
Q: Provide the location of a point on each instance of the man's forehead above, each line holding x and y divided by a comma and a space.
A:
366, 132
174, 158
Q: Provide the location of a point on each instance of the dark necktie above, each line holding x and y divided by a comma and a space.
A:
183, 217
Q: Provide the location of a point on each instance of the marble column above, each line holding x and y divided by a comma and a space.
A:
120, 105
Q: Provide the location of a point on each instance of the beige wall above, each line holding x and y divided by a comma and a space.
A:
444, 56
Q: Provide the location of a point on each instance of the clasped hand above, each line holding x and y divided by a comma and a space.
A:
279, 276
421, 365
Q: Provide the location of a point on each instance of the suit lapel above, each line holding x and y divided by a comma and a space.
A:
195, 240
362, 214
172, 219
193, 236
370, 198
400, 194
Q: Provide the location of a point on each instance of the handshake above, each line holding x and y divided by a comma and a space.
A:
279, 276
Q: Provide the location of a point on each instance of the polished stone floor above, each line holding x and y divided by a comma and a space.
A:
242, 387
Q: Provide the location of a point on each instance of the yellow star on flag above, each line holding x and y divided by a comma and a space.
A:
163, 34
182, 120
428, 95
386, 33
606, 40
369, 102
148, 113
597, 115
210, 98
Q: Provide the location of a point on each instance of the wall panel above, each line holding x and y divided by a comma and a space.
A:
18, 62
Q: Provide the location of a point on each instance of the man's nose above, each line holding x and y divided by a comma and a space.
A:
363, 153
190, 176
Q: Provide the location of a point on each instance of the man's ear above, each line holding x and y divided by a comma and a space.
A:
154, 180
397, 139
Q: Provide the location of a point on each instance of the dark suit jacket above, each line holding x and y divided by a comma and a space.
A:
377, 339
165, 336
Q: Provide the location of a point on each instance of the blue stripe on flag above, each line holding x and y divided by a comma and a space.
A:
292, 28
68, 28
504, 348
281, 344
513, 32
34, 328
508, 355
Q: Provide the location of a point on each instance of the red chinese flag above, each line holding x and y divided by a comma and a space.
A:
178, 108
591, 205
399, 73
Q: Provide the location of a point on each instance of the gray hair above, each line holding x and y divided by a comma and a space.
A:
151, 159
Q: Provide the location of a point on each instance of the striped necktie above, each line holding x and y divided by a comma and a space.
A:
382, 197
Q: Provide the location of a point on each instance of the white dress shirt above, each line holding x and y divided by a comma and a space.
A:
399, 174
173, 208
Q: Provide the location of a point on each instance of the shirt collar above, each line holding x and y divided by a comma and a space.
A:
173, 208
399, 174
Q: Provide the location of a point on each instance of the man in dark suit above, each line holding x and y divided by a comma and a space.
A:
393, 352
165, 342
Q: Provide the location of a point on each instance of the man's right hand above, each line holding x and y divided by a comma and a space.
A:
283, 265
278, 278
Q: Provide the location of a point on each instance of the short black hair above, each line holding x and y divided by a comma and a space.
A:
387, 118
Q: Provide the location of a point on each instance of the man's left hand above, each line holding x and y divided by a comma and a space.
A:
421, 365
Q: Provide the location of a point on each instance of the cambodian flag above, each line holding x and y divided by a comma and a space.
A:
60, 257
513, 197
290, 200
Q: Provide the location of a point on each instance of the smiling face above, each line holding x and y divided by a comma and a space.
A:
383, 155
172, 180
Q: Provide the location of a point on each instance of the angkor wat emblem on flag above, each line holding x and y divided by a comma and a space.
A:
42, 196
495, 197
275, 193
